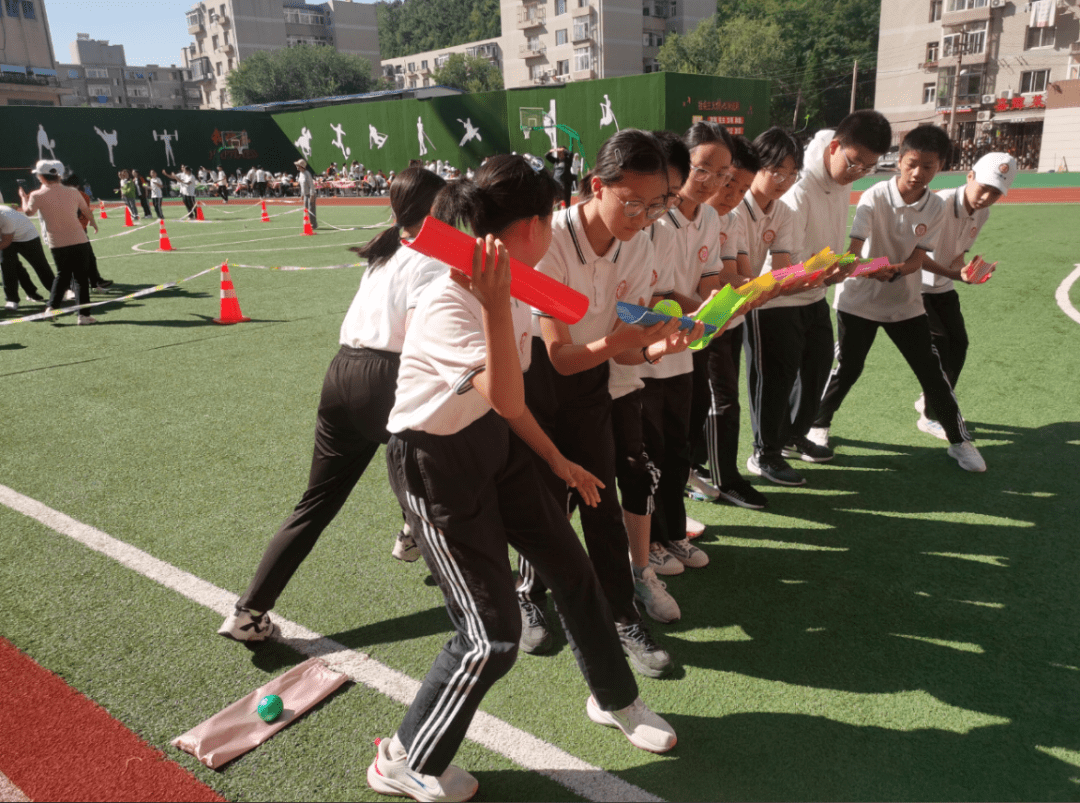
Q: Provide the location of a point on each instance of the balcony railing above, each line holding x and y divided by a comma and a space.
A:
528, 51
531, 17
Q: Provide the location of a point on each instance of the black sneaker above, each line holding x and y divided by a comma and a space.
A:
535, 636
104, 284
774, 469
808, 451
646, 656
742, 494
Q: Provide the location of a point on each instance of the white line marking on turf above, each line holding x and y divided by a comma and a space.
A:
1062, 295
500, 737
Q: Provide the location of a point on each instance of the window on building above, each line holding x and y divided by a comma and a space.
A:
644, 11
532, 44
973, 41
214, 41
96, 72
299, 17
929, 93
138, 92
28, 9
560, 7
673, 9
192, 18
970, 89
536, 72
582, 3
423, 64
932, 51
95, 89
561, 36
581, 29
1034, 81
230, 64
217, 68
1040, 37
562, 67
12, 8
582, 58
965, 5
1074, 70
935, 10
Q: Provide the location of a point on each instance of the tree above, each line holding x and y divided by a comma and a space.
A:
417, 26
740, 48
468, 73
296, 73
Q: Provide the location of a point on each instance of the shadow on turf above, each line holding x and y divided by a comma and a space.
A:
969, 612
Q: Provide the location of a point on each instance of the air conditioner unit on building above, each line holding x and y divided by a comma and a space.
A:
982, 117
987, 98
997, 3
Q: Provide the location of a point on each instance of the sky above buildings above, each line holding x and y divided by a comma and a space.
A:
151, 31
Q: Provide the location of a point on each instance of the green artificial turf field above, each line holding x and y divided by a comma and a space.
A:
897, 630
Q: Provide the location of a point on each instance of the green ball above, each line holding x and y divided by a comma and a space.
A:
668, 306
270, 707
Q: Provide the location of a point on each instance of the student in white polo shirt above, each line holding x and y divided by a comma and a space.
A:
356, 399
19, 238
461, 465
689, 235
967, 209
600, 249
820, 204
900, 219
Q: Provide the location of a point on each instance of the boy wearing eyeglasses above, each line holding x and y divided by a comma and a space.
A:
769, 245
900, 219
800, 326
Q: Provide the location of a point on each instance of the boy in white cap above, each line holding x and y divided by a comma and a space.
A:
967, 210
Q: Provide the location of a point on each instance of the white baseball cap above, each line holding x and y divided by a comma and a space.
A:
996, 170
49, 167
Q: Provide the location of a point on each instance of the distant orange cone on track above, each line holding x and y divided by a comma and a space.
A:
163, 238
101, 206
198, 212
265, 217
308, 231
127, 217
230, 306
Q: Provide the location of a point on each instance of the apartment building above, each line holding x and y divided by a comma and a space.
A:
556, 41
415, 71
99, 76
225, 33
980, 68
27, 62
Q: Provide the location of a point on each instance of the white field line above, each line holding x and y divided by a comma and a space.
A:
500, 737
1062, 295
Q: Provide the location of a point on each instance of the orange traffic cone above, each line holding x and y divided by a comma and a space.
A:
127, 217
198, 212
308, 231
101, 206
230, 307
265, 217
163, 238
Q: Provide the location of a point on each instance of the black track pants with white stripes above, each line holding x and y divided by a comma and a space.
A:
467, 497
714, 409
784, 344
855, 335
949, 333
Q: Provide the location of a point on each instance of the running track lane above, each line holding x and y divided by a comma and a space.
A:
55, 744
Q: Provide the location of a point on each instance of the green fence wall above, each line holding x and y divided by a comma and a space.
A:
462, 129
139, 137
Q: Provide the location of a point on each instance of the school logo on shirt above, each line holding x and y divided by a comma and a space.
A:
655, 279
974, 231
920, 230
769, 236
524, 340
703, 254
723, 237
1003, 168
620, 291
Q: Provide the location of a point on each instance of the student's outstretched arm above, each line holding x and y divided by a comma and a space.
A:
500, 383
569, 472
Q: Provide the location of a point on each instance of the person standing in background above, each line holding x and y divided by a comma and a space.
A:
306, 180
140, 191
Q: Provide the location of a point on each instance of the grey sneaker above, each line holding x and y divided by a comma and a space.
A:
932, 427
243, 625
388, 776
85, 320
651, 592
806, 450
646, 656
644, 728
687, 554
774, 469
405, 548
662, 561
967, 456
535, 636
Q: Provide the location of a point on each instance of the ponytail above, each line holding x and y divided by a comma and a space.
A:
411, 197
504, 190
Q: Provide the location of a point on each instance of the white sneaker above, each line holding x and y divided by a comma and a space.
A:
243, 625
931, 427
662, 561
688, 554
11, 305
819, 435
920, 405
69, 296
694, 528
389, 776
651, 592
702, 485
405, 548
643, 727
967, 456
85, 320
